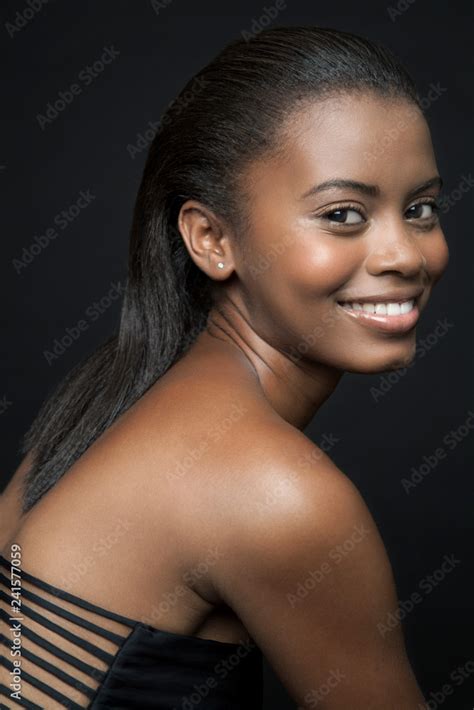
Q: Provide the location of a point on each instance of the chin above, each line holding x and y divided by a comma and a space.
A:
401, 356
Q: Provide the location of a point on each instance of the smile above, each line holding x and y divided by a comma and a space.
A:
393, 317
385, 309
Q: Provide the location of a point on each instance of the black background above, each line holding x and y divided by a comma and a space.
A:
386, 425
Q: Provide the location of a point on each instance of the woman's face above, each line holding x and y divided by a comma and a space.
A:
313, 246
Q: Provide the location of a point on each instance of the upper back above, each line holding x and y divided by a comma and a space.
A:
146, 500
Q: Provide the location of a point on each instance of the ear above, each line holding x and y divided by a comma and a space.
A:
206, 238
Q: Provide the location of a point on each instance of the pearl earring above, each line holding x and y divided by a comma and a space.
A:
220, 264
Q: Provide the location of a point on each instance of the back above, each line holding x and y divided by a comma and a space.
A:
117, 557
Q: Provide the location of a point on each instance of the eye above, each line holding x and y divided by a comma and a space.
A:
343, 216
423, 210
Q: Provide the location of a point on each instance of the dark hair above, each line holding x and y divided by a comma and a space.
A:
225, 117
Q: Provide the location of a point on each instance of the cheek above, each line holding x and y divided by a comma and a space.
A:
317, 267
436, 252
292, 290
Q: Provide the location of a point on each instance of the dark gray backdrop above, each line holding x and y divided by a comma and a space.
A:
70, 175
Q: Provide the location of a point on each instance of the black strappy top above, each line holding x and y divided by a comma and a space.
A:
77, 655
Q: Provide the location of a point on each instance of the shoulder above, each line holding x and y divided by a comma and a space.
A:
304, 567
288, 497
296, 511
290, 474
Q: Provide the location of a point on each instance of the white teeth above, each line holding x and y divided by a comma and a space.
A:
384, 309
407, 306
393, 309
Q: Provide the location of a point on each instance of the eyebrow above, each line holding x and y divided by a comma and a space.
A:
365, 189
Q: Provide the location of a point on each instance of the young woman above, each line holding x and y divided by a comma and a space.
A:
169, 508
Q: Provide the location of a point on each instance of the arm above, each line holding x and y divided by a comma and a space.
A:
308, 575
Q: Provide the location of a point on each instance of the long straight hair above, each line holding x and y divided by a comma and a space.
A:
227, 115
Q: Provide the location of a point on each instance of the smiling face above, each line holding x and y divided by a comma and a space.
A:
339, 273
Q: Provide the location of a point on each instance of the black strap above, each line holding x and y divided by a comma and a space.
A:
58, 652
61, 594
68, 635
24, 702
55, 694
60, 611
65, 677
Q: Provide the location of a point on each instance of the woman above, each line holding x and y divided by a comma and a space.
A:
285, 232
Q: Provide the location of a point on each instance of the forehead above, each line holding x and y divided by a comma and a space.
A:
361, 137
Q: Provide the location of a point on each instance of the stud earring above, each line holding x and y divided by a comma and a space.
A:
220, 264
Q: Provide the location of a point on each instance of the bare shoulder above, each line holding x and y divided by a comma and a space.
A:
304, 567
292, 492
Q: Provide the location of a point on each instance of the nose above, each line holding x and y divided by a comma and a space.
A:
396, 250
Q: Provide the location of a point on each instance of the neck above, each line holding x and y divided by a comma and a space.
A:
295, 387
